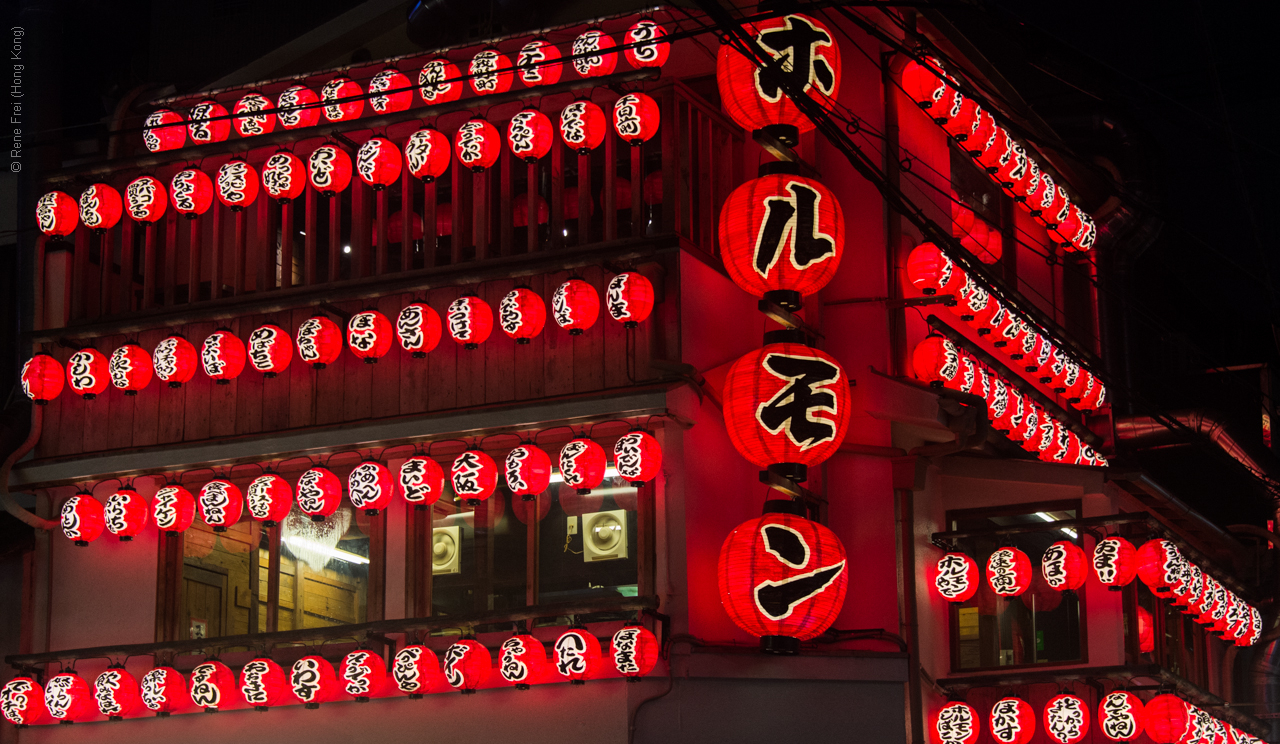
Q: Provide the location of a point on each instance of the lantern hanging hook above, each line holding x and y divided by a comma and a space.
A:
280, 464
628, 424
107, 480
540, 432
498, 434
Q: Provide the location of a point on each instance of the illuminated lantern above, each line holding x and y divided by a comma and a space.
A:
390, 92
1064, 566
223, 356
100, 207
319, 493
125, 513
645, 46
87, 373
1115, 562
954, 723
520, 210
363, 675
629, 298
221, 504
57, 214
538, 63
250, 120
956, 577
68, 698
528, 471
477, 144
593, 54
378, 163
319, 341
22, 701
1013, 721
962, 116
342, 98
577, 655
638, 457
1166, 719
416, 671
284, 176
786, 407
164, 690
1146, 632
1159, 563
522, 314
145, 199
439, 82
42, 378
212, 686
421, 481
582, 464
1120, 716
329, 169
634, 651
491, 73
926, 84
237, 184
529, 135
313, 681
192, 192
474, 476
522, 661
635, 118
296, 108
470, 321
781, 237
582, 126
369, 486
208, 122
466, 665
173, 508
263, 684
575, 306
1008, 572
1002, 406
163, 130
1066, 719
419, 329
174, 360
369, 335
426, 153
269, 499
270, 349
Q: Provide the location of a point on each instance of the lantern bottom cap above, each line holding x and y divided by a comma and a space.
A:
362, 699
210, 710
584, 491
222, 382
371, 512
419, 355
792, 471
473, 502
637, 484
529, 497
523, 686
268, 375
81, 543
370, 360
269, 523
630, 324
162, 714
575, 331
318, 365
219, 529
523, 341
317, 517
311, 706
471, 347
577, 681
468, 692
87, 396
421, 507
261, 708
126, 538
783, 645
175, 384
634, 678
66, 722
115, 718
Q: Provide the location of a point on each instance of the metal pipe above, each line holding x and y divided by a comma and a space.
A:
1145, 431
10, 504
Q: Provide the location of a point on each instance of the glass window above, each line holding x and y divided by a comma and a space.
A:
324, 569
218, 580
588, 544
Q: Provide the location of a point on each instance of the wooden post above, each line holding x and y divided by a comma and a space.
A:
406, 224
461, 213
359, 228
637, 191
105, 257
480, 212
506, 235
286, 245
584, 198
383, 249
309, 242
79, 267
254, 577
170, 257
531, 188
609, 188
531, 551
557, 193
262, 253
194, 259
217, 252
273, 579
429, 224
335, 237
376, 604
299, 594
670, 160
238, 253
149, 267
40, 320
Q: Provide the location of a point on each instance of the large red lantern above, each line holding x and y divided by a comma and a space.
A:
637, 457
421, 481
191, 192
363, 675
491, 73
594, 54
208, 122
319, 341
474, 476
223, 356
369, 335
212, 686
270, 349
237, 184
68, 698
470, 321
1008, 572
419, 329
582, 464
528, 471
782, 577
645, 46
786, 407
955, 723
125, 513
173, 508
1066, 719
100, 207
1115, 562
164, 690
1158, 564
378, 163
956, 577
313, 681
87, 373
329, 169
250, 119
522, 661
1167, 719
263, 684
130, 368
42, 378
1013, 721
369, 486
927, 85
416, 671
319, 493
466, 665
635, 118
1120, 716
634, 651
538, 63
629, 298
164, 130
426, 153
117, 693
1064, 566
522, 314
342, 98
57, 214
439, 81
477, 144
22, 701
575, 305
582, 126
390, 92
296, 108
145, 199
529, 135
577, 655
284, 176
221, 504
269, 499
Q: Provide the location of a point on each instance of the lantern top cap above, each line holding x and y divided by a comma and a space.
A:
784, 506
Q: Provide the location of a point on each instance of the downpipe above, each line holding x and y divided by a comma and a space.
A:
10, 504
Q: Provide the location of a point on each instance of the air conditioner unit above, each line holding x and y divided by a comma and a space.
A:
446, 550
604, 535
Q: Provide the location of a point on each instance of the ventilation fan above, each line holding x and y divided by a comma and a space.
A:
446, 550
604, 535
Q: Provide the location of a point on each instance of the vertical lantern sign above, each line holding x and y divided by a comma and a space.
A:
416, 671
955, 723
419, 329
369, 486
173, 508
956, 577
22, 701
421, 481
522, 661
249, 118
221, 504
42, 378
439, 81
82, 519
634, 652
319, 341
645, 46
466, 665
538, 63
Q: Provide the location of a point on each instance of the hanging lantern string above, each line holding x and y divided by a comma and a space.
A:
308, 458
107, 480
592, 430
432, 445
498, 434
262, 469
385, 450
540, 432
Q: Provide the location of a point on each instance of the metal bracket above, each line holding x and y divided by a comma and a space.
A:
790, 488
782, 151
947, 300
786, 318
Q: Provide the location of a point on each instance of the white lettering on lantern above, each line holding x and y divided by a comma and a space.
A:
515, 466
57, 695
252, 125
453, 657
404, 669
277, 174
253, 682
165, 358
258, 496
305, 679
381, 83
1054, 565
214, 500
587, 44
560, 306
529, 61
625, 642
1064, 719
307, 333
417, 150
413, 480
471, 142
952, 580
363, 485
510, 316
119, 366
153, 689
104, 689
71, 518
569, 469
571, 654
794, 409
626, 117
409, 327
149, 136
290, 114
14, 699
233, 180
262, 343
115, 515
460, 318
204, 693
80, 371
139, 195
484, 72
616, 297
628, 457
520, 133
573, 125
434, 82
1118, 720
1002, 573
466, 474
321, 166
638, 34
89, 204
310, 496
47, 212
1006, 721
367, 159
211, 355
362, 332
955, 724
1105, 555
356, 672
509, 663
199, 120
800, 43
165, 507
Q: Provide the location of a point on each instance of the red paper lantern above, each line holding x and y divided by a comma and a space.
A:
440, 82
237, 184
212, 686
164, 130
125, 513
927, 85
520, 210
67, 697
208, 122
369, 335
955, 723
269, 499
629, 298
369, 486
593, 54
343, 99
263, 684
634, 651
100, 207
474, 476
956, 577
1159, 562
1166, 719
582, 126
329, 169
577, 655
173, 508
87, 373
1008, 572
1146, 632
319, 341
221, 504
319, 493
145, 199
419, 329
191, 192
645, 46
782, 577
963, 116
378, 163
270, 349
1115, 562
416, 671
130, 368
470, 321
284, 176
42, 378
313, 681
582, 464
1064, 566
635, 118
477, 144
1120, 716
250, 120
575, 306
529, 135
1066, 719
395, 92
117, 693
638, 457
528, 471
363, 675
466, 665
786, 405
223, 356
22, 701
421, 481
522, 661
57, 214
538, 63
1013, 721
491, 73
296, 108
426, 153
522, 314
